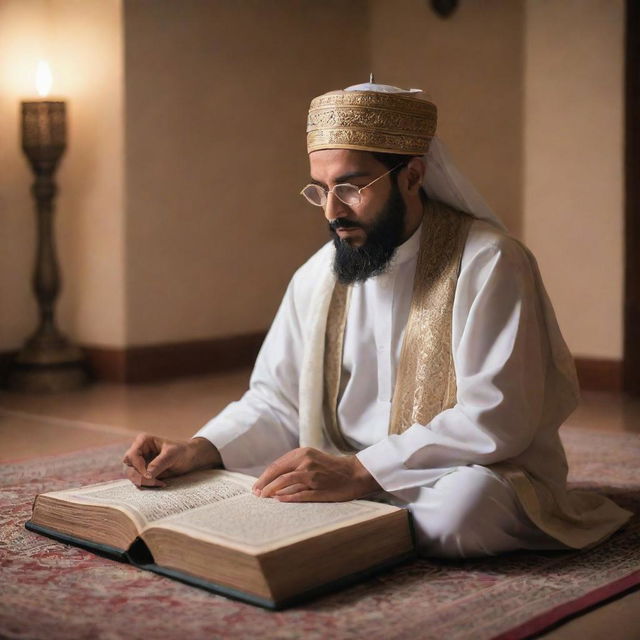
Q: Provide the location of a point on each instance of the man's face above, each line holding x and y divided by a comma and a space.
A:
365, 235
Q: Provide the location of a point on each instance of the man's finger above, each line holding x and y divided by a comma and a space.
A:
160, 463
141, 481
152, 483
135, 460
285, 480
284, 464
133, 475
143, 448
291, 489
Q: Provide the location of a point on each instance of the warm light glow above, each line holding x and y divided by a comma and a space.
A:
44, 79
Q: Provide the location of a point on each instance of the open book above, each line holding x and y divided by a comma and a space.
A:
208, 529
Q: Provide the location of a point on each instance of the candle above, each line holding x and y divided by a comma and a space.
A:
44, 129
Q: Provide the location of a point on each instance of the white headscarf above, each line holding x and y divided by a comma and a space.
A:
442, 181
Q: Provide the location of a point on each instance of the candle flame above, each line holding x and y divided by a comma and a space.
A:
44, 79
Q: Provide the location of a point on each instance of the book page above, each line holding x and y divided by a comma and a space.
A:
263, 522
180, 494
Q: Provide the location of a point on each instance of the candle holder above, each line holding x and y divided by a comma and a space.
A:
48, 361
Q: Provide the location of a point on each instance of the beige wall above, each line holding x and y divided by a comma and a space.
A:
471, 65
204, 235
574, 165
83, 43
530, 96
216, 99
217, 95
22, 43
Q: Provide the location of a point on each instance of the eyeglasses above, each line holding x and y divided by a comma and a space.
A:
349, 194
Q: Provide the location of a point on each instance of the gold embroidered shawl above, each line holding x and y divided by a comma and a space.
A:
426, 379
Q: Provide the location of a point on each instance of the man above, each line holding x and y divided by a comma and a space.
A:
416, 354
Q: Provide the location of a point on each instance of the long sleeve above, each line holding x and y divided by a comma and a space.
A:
500, 353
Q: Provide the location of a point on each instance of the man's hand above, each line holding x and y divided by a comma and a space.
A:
151, 458
310, 475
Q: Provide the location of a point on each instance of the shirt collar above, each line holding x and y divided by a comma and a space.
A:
409, 248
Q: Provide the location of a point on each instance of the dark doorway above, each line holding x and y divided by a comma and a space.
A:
632, 201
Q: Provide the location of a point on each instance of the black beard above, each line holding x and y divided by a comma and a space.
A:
357, 264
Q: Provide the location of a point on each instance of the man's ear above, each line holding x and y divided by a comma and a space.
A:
415, 174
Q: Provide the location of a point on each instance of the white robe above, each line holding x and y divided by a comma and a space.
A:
505, 409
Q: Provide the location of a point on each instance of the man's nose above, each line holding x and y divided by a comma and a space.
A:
334, 208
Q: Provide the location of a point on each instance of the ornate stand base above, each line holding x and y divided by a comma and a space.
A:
51, 379
48, 363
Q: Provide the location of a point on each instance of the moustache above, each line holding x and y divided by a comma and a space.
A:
344, 223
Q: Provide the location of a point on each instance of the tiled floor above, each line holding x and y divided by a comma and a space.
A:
34, 425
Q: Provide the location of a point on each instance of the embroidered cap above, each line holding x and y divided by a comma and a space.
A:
372, 117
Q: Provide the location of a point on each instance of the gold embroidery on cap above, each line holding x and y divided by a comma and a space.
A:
371, 121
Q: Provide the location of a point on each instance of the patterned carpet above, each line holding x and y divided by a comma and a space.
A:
49, 590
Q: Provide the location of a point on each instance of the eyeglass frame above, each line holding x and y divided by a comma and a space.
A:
345, 184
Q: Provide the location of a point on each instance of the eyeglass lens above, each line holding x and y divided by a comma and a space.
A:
317, 195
